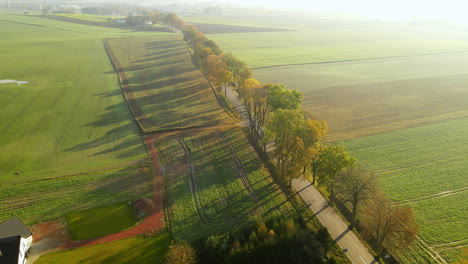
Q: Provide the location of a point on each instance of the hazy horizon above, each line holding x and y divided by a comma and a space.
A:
397, 10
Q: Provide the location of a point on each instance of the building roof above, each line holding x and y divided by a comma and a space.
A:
14, 227
9, 249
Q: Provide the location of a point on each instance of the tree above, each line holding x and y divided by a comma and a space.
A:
312, 133
333, 159
255, 101
181, 253
213, 46
391, 226
235, 66
224, 76
283, 126
281, 98
354, 186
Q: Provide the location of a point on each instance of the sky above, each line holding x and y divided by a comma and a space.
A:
452, 10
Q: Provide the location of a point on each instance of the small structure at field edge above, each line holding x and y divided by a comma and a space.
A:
15, 240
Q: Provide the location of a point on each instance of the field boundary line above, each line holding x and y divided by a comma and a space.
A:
365, 59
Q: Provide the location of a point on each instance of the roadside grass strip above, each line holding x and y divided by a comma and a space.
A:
424, 168
206, 192
130, 250
100, 221
163, 87
41, 200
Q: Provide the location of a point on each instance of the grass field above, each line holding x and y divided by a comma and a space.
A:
71, 116
40, 200
425, 168
165, 90
100, 221
215, 183
130, 250
336, 41
366, 97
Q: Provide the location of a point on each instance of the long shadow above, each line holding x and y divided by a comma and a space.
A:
338, 238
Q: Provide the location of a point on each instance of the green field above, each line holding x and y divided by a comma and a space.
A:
215, 183
40, 200
130, 250
71, 116
335, 40
366, 97
100, 221
68, 135
165, 90
425, 168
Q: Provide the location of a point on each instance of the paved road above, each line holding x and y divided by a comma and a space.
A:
238, 105
357, 252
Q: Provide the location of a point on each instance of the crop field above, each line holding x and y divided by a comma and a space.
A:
71, 116
163, 87
215, 182
366, 97
425, 168
40, 200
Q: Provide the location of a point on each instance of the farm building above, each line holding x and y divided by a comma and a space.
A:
15, 240
120, 21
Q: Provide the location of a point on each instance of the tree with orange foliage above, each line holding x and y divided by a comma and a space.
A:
390, 226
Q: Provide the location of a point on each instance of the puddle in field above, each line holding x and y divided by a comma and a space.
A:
18, 83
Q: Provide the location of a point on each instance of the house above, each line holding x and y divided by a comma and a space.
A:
15, 240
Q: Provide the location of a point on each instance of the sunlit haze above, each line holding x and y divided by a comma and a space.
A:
453, 10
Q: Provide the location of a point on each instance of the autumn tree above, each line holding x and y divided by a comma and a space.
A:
354, 187
281, 98
312, 133
213, 46
255, 100
224, 77
331, 160
390, 226
282, 128
181, 253
235, 66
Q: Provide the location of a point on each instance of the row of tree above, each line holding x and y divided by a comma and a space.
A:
221, 69
276, 120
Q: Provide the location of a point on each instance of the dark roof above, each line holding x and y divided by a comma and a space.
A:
9, 249
14, 227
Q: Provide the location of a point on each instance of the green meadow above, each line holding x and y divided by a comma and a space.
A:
335, 40
424, 168
100, 221
71, 116
215, 183
129, 250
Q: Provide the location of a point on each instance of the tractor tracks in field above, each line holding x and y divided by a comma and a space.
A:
433, 196
197, 203
239, 167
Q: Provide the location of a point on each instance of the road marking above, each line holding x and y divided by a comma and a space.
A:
362, 260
